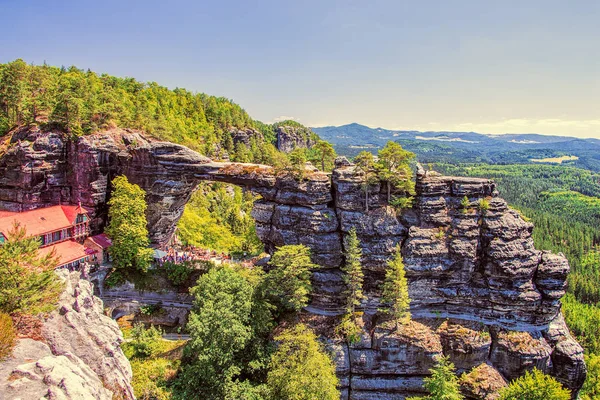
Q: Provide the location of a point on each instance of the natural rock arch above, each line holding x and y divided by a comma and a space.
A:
478, 265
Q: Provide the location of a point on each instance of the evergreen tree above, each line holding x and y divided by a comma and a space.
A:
365, 164
443, 384
394, 169
353, 274
288, 282
395, 289
127, 226
534, 385
353, 279
325, 153
300, 369
28, 284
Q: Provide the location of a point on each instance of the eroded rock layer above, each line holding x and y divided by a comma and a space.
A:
472, 261
79, 358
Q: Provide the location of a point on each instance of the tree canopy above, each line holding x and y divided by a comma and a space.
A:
288, 281
127, 226
395, 289
28, 284
300, 369
535, 385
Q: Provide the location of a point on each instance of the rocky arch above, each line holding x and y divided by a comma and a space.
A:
467, 264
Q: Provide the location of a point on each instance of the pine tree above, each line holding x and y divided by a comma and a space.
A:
325, 152
28, 284
395, 289
394, 169
443, 384
353, 274
365, 164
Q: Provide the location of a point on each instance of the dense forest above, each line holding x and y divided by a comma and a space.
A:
82, 102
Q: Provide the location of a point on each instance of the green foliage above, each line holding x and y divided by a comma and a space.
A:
229, 325
465, 203
178, 273
395, 289
144, 343
393, 167
349, 328
443, 383
401, 202
324, 154
534, 385
300, 369
150, 309
218, 217
83, 102
483, 205
127, 226
288, 282
7, 335
28, 284
583, 320
353, 273
365, 164
591, 387
152, 377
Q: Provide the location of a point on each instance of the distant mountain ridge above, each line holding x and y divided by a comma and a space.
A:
450, 146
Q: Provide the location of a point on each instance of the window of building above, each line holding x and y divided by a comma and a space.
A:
56, 236
2, 238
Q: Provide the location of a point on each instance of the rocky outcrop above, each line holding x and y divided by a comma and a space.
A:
33, 372
290, 137
472, 263
80, 357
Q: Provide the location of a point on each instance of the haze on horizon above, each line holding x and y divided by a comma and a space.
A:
465, 65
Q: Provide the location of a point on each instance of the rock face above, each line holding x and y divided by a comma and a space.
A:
475, 264
80, 359
290, 137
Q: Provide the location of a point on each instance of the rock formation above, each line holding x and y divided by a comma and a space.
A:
475, 265
290, 137
80, 357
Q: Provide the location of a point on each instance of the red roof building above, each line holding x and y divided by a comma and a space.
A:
58, 228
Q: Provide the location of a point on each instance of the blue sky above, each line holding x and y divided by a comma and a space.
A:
487, 66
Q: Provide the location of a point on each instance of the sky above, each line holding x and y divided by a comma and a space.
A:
527, 66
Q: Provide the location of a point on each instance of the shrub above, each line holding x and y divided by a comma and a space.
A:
483, 205
150, 309
7, 335
178, 273
145, 343
465, 204
535, 385
349, 328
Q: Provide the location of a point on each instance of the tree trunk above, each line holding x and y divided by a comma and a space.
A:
389, 188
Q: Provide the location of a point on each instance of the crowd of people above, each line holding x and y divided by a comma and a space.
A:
190, 254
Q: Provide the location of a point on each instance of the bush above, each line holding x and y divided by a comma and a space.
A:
178, 273
145, 343
535, 385
483, 205
7, 335
150, 309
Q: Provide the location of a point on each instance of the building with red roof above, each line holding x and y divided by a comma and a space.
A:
60, 228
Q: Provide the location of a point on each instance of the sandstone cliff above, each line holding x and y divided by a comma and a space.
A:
290, 137
80, 356
475, 266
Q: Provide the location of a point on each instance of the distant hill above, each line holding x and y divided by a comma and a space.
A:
467, 146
